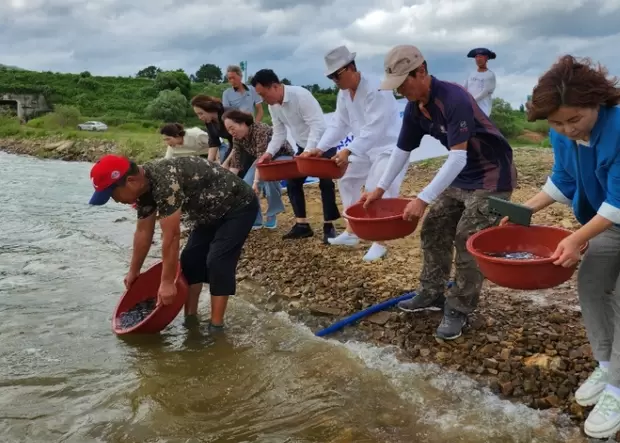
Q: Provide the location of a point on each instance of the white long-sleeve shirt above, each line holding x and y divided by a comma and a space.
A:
372, 116
301, 113
195, 142
481, 86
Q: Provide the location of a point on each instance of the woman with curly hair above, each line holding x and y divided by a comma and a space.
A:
580, 102
210, 110
252, 138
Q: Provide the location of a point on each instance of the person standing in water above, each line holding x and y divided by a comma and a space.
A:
479, 165
481, 83
296, 109
580, 102
217, 206
373, 118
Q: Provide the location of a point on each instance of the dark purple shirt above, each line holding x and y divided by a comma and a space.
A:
456, 118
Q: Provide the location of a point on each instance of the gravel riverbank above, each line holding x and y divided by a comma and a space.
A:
529, 347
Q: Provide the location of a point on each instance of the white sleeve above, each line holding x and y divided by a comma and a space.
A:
312, 115
398, 160
457, 159
278, 136
338, 127
377, 113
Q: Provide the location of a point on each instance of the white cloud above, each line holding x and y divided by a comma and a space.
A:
120, 37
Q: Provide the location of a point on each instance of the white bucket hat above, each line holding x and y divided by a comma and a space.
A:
338, 58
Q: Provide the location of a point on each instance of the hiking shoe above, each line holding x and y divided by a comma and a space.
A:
590, 390
328, 232
271, 222
256, 226
420, 303
299, 230
451, 325
604, 420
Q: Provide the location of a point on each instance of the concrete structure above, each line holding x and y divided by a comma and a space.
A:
26, 106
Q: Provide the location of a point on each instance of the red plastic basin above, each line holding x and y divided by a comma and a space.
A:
320, 167
145, 287
520, 274
278, 170
383, 220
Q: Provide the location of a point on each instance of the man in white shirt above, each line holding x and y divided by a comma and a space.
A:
295, 108
373, 118
481, 83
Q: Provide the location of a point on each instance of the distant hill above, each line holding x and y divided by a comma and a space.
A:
115, 100
15, 68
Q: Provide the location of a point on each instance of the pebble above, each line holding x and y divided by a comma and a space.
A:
136, 314
509, 327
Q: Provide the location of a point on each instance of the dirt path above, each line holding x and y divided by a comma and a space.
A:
527, 346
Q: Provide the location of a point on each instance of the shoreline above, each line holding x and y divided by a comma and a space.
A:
86, 150
527, 347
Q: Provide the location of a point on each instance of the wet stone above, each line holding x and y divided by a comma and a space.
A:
136, 314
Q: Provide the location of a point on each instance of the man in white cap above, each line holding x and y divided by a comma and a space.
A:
479, 165
373, 118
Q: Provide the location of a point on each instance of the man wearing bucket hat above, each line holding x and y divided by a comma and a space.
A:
481, 82
479, 165
372, 116
217, 206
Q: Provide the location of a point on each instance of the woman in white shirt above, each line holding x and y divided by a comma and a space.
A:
481, 83
185, 142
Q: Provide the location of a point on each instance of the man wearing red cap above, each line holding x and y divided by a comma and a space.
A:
217, 206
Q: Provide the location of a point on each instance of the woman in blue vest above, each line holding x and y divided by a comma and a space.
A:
580, 102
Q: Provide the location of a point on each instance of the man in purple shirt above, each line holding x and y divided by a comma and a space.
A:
479, 165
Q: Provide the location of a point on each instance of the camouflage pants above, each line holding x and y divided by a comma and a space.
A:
455, 215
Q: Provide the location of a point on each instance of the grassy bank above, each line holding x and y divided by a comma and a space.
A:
141, 141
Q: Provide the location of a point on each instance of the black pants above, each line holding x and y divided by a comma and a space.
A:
295, 190
212, 251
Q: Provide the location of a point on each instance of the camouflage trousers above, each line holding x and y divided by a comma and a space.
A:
453, 217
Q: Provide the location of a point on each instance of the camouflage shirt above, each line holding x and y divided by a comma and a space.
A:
204, 191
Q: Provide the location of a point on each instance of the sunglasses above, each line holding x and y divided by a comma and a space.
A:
336, 75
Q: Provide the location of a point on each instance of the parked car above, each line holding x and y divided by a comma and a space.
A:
93, 126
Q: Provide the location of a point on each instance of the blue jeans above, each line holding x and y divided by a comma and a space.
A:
273, 192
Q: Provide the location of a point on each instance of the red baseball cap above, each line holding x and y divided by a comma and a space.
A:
105, 175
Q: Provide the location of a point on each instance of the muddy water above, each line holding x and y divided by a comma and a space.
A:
64, 377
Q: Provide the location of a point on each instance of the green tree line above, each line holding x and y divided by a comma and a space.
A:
154, 96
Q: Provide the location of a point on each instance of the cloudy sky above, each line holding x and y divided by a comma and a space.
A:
119, 37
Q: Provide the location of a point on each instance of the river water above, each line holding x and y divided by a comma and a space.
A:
65, 377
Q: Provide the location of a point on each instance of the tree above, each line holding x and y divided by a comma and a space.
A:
171, 80
522, 109
170, 106
286, 81
209, 73
149, 72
